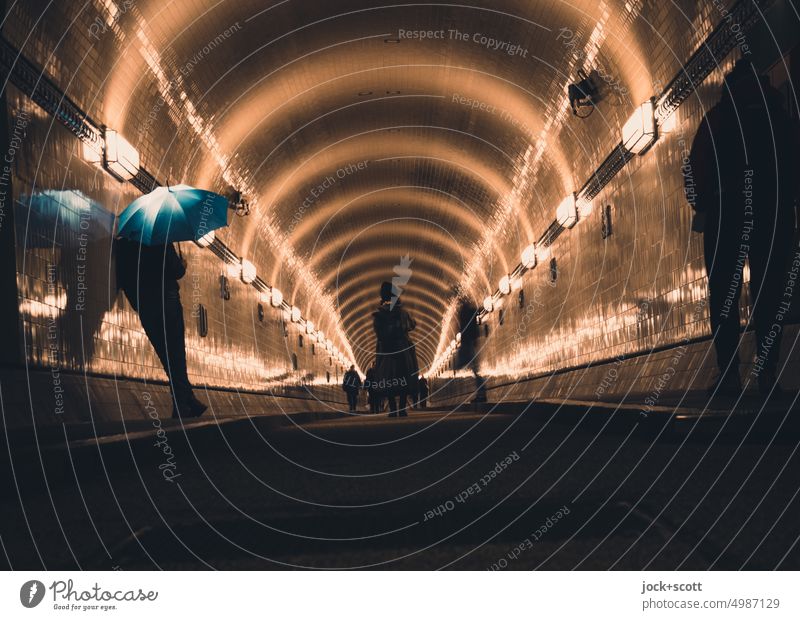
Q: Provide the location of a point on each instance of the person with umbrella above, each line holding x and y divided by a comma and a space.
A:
149, 268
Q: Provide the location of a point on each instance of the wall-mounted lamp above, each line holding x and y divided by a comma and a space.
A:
248, 271
567, 212
120, 158
640, 130
276, 298
504, 285
582, 94
528, 257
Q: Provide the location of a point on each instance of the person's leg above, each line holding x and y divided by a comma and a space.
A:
403, 404
176, 352
769, 259
392, 406
352, 400
724, 257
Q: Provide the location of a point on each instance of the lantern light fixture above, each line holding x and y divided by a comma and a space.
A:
567, 212
120, 158
639, 132
248, 271
276, 298
528, 257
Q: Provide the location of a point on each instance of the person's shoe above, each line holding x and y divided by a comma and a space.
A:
768, 384
393, 414
192, 409
726, 384
197, 408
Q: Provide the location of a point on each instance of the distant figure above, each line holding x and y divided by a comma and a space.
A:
467, 356
373, 394
351, 384
422, 403
149, 277
742, 180
396, 368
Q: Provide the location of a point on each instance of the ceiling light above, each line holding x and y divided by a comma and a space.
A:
640, 130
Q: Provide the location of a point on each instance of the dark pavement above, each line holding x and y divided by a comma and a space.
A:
551, 488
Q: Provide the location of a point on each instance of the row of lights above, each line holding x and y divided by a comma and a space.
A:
121, 159
246, 271
638, 134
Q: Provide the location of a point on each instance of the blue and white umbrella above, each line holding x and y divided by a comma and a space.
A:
173, 213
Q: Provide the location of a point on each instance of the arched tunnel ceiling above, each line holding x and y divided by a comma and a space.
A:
363, 145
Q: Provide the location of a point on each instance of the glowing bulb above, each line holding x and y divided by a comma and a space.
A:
264, 297
488, 304
505, 285
296, 314
276, 298
309, 327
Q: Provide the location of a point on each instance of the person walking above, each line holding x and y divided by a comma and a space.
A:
396, 368
148, 275
351, 384
423, 393
741, 181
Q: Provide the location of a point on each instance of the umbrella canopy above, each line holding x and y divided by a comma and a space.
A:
173, 213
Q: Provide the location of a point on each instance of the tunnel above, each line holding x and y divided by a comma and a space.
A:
518, 171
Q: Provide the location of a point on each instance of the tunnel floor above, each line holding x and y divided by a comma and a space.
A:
436, 490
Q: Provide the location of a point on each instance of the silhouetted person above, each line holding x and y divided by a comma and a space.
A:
149, 277
396, 368
740, 183
351, 384
467, 356
373, 394
422, 403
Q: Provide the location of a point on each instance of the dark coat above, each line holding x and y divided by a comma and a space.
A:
147, 274
396, 367
351, 382
746, 133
